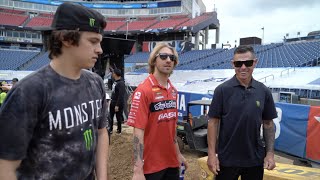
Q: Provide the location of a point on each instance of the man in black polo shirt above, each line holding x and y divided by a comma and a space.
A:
241, 105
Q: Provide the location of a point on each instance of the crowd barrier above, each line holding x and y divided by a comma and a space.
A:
298, 130
297, 126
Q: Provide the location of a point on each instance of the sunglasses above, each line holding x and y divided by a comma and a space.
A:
247, 63
164, 56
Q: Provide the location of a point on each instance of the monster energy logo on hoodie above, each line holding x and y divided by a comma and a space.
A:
87, 135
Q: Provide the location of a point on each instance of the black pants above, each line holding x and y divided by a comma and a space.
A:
119, 116
166, 174
246, 173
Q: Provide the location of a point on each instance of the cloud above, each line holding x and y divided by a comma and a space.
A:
265, 5
245, 18
247, 8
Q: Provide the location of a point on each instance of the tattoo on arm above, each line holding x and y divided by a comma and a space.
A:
137, 150
269, 135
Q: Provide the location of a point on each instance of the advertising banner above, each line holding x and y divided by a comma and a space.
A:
313, 134
112, 5
291, 128
184, 98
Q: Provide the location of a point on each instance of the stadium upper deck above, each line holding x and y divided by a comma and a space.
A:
184, 20
148, 29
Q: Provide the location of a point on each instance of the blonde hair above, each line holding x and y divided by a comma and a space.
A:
155, 52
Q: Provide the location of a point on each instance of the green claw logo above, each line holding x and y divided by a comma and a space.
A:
91, 22
258, 103
87, 135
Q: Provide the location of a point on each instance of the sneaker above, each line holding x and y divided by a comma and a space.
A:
119, 133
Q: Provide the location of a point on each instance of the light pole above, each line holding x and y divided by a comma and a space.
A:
262, 34
127, 23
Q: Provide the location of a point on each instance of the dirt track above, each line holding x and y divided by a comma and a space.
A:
121, 157
121, 150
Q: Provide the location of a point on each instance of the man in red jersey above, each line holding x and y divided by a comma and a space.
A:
154, 116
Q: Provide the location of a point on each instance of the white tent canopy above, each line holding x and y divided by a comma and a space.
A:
202, 81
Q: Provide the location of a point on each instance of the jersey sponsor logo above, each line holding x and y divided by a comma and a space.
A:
158, 97
131, 117
135, 102
70, 117
162, 105
174, 93
134, 106
168, 115
87, 135
131, 113
137, 95
158, 93
156, 89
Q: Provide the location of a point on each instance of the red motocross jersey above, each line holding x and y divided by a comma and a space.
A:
154, 109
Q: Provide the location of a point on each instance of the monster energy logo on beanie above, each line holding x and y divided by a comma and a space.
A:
87, 135
91, 22
74, 16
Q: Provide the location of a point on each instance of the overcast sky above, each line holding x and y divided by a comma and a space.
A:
245, 18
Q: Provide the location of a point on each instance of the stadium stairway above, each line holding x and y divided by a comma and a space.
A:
123, 25
30, 62
199, 57
146, 28
26, 21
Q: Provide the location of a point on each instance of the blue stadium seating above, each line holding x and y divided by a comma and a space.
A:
302, 93
38, 62
140, 57
289, 55
272, 55
12, 59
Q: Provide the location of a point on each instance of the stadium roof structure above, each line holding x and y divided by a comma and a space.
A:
314, 33
173, 23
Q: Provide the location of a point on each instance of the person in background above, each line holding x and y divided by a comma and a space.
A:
117, 100
7, 86
59, 132
14, 81
240, 106
154, 115
108, 99
3, 94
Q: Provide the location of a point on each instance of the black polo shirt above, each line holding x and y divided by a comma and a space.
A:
241, 111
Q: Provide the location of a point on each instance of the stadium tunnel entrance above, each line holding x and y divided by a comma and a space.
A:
114, 51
